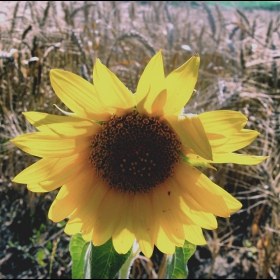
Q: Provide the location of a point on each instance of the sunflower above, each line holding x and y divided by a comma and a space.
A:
126, 163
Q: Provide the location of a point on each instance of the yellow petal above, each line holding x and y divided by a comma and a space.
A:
180, 85
191, 133
90, 213
124, 237
61, 125
197, 217
238, 158
189, 210
224, 122
165, 212
232, 203
72, 194
59, 180
163, 243
50, 168
50, 145
216, 140
123, 241
193, 159
78, 95
87, 235
109, 214
143, 223
194, 234
195, 184
112, 93
75, 228
151, 93
72, 229
237, 141
85, 215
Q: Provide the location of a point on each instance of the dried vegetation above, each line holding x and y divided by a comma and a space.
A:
240, 57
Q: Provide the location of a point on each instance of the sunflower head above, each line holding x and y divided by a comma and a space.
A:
134, 153
126, 163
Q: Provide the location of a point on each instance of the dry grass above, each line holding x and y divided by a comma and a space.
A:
240, 57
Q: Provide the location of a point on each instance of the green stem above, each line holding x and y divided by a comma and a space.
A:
125, 270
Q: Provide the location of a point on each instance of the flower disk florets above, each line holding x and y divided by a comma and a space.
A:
134, 153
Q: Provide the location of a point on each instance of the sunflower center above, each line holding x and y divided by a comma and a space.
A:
134, 153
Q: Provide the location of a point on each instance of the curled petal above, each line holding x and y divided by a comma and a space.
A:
191, 133
237, 141
224, 122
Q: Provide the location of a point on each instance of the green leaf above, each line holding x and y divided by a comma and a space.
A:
40, 257
103, 262
78, 249
177, 267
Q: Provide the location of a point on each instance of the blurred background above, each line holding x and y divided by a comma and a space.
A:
239, 46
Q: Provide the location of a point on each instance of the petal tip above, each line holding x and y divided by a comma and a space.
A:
53, 71
196, 58
14, 180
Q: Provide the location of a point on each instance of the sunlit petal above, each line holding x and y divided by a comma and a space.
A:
237, 141
180, 85
47, 169
223, 122
123, 237
163, 243
151, 93
62, 125
194, 235
238, 158
48, 145
112, 93
57, 180
78, 95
